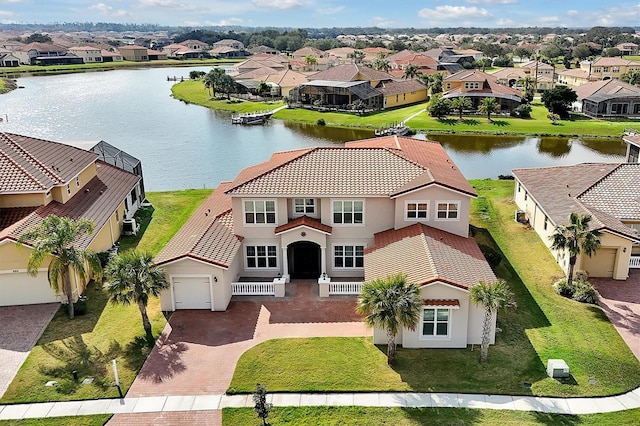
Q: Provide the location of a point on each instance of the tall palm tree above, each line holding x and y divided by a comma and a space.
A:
493, 297
55, 237
311, 62
435, 82
410, 71
357, 56
213, 79
390, 304
575, 238
489, 106
263, 87
528, 85
460, 104
381, 64
132, 277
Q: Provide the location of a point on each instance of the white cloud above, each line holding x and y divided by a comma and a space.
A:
225, 22
277, 4
492, 1
108, 10
13, 1
331, 11
378, 21
5, 13
572, 12
548, 19
168, 4
506, 23
454, 14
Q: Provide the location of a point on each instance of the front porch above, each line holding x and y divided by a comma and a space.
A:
286, 288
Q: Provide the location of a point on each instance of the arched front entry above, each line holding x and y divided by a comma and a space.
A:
304, 259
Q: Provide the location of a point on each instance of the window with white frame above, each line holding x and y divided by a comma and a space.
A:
259, 211
262, 256
77, 181
436, 322
302, 206
448, 210
351, 256
68, 188
417, 210
471, 85
348, 212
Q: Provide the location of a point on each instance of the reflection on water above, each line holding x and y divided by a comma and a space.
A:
188, 146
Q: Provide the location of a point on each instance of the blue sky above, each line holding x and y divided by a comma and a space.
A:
329, 13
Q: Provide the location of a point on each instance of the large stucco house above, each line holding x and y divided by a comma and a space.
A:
477, 85
608, 192
338, 215
39, 178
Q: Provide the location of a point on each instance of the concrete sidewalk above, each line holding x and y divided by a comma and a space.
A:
163, 404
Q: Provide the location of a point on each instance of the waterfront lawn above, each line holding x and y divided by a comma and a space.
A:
95, 420
194, 92
89, 342
365, 416
543, 326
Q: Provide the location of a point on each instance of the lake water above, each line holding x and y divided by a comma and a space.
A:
188, 146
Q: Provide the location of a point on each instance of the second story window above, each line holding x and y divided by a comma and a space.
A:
68, 188
448, 210
302, 206
259, 211
416, 210
348, 212
77, 181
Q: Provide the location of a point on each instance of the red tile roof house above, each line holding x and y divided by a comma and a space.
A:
608, 192
39, 178
340, 215
477, 85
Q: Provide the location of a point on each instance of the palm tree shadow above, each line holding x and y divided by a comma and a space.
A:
471, 122
500, 123
164, 363
448, 121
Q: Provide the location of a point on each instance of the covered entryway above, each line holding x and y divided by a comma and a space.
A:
601, 264
304, 259
192, 292
20, 288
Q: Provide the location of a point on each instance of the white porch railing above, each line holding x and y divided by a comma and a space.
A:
253, 289
347, 287
634, 262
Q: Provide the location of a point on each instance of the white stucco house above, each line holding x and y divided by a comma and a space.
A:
341, 216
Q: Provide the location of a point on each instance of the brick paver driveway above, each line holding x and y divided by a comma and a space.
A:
20, 329
198, 350
620, 300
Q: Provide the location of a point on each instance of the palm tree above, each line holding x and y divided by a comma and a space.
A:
493, 297
410, 71
461, 104
576, 237
132, 277
489, 106
528, 85
357, 56
435, 82
390, 304
55, 237
311, 62
381, 64
213, 79
263, 87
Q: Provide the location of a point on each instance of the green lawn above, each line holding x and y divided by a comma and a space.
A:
366, 416
88, 343
194, 92
96, 420
544, 326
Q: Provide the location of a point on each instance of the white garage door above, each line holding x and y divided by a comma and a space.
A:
192, 292
20, 288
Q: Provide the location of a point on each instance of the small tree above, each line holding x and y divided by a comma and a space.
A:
493, 297
559, 99
261, 406
390, 304
553, 118
439, 107
460, 104
489, 106
410, 72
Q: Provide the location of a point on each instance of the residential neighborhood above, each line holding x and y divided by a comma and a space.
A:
348, 265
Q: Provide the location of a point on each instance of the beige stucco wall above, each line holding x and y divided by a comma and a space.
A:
221, 290
24, 200
60, 193
405, 98
433, 195
623, 253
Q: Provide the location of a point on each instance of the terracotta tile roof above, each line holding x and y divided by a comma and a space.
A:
350, 72
575, 72
633, 139
442, 302
609, 192
401, 55
97, 201
614, 61
277, 159
532, 65
307, 51
287, 78
505, 73
395, 87
11, 215
426, 255
207, 235
131, 47
419, 60
606, 87
255, 74
36, 165
307, 221
41, 47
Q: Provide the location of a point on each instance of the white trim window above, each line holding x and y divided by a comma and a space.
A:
348, 212
258, 212
259, 257
77, 181
416, 210
436, 323
68, 188
348, 256
448, 210
304, 206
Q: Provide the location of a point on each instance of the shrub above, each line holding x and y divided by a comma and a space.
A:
321, 122
562, 288
524, 111
506, 177
580, 290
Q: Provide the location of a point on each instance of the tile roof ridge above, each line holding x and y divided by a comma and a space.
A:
425, 241
29, 157
29, 175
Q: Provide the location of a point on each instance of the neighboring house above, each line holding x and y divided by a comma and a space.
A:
45, 54
134, 53
308, 51
403, 92
477, 85
108, 56
9, 60
228, 43
632, 139
89, 55
336, 94
606, 68
263, 50
608, 99
352, 72
339, 215
608, 192
628, 49
198, 45
156, 55
575, 77
40, 178
544, 74
286, 80
226, 52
